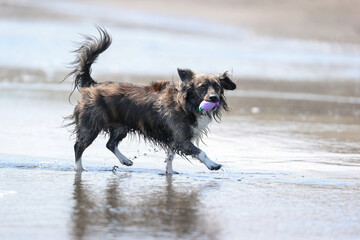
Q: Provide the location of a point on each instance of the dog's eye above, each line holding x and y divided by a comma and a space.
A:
216, 87
202, 88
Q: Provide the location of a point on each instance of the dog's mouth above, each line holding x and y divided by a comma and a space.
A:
208, 106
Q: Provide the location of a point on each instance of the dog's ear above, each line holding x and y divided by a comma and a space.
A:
226, 82
185, 74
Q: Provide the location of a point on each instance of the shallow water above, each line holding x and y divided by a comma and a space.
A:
290, 149
281, 178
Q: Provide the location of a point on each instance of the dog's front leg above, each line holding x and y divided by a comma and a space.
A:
207, 161
189, 148
169, 159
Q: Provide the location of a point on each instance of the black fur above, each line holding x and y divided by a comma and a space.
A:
87, 53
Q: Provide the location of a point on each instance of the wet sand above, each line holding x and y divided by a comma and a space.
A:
292, 177
290, 147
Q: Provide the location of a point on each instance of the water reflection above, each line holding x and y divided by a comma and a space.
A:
122, 209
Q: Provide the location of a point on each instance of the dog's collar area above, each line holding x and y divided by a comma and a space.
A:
207, 113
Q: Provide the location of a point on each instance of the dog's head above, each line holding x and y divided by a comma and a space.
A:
208, 87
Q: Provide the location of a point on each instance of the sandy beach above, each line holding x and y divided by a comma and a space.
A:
289, 146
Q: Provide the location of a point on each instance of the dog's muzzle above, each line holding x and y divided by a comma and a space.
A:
214, 98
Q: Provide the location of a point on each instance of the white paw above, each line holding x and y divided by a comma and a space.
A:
127, 162
207, 161
81, 169
79, 166
214, 166
171, 172
123, 160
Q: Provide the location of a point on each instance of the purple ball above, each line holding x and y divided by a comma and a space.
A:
207, 106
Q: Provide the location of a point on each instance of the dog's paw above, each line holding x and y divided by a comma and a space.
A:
81, 169
215, 166
127, 162
171, 172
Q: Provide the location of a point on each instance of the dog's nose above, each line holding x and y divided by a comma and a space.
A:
214, 98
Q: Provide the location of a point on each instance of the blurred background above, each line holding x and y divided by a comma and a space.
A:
288, 50
289, 146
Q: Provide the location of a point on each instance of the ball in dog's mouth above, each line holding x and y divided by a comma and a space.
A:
207, 106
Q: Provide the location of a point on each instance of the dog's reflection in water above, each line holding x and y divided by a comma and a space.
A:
168, 210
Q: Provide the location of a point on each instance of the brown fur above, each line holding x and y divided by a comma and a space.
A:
158, 86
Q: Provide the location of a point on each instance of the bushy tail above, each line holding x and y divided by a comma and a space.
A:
87, 54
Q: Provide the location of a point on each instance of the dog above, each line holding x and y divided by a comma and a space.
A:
166, 113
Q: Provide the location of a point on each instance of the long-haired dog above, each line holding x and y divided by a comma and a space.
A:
166, 113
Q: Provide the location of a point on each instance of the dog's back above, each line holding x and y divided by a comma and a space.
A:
134, 108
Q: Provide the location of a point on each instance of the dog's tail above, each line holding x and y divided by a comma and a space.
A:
87, 54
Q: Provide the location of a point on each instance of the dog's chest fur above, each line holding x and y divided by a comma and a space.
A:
201, 127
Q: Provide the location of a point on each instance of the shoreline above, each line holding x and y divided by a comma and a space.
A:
325, 20
146, 43
329, 21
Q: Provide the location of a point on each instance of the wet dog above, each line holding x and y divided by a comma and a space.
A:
166, 113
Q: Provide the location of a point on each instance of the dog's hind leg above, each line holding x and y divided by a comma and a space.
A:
169, 159
83, 140
116, 135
